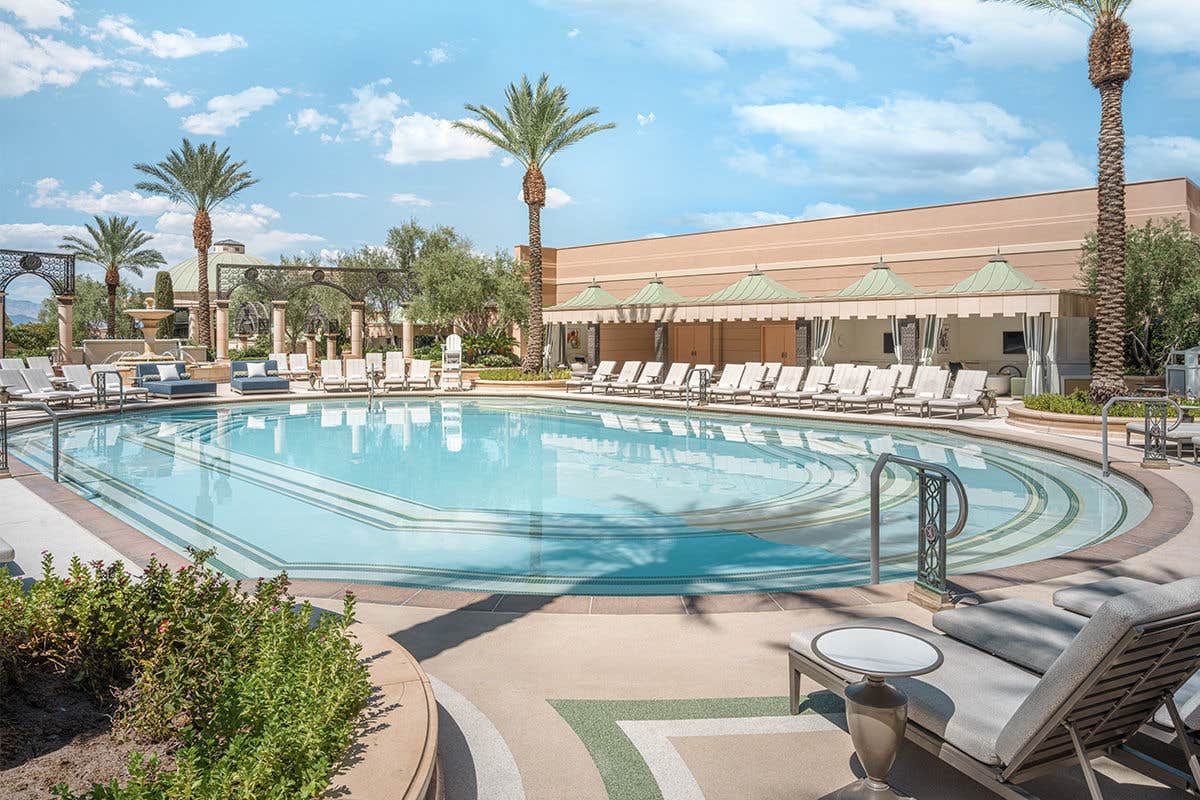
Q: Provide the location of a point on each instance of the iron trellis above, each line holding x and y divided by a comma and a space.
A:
57, 269
279, 282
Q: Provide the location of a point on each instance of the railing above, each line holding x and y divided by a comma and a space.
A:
5, 406
932, 533
1154, 430
100, 384
701, 386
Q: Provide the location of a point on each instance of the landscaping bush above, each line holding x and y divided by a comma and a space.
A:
254, 351
1081, 404
499, 360
256, 697
521, 375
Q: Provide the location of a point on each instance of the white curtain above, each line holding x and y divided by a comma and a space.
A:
933, 327
897, 338
822, 331
1053, 378
1035, 348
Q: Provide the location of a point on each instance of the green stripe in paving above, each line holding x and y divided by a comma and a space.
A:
625, 773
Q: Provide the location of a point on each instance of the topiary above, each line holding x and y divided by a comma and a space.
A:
164, 297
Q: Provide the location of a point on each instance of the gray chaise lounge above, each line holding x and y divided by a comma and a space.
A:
1001, 724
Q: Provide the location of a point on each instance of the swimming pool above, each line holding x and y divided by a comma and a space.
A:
536, 496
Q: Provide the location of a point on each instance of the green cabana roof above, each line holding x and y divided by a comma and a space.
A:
591, 297
996, 276
879, 282
654, 293
754, 288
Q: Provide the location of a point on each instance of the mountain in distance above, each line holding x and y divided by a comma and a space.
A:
21, 311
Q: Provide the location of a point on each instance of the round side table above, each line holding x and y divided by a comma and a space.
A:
876, 712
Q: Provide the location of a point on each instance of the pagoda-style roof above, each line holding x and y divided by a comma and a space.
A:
591, 297
754, 288
995, 276
654, 293
879, 282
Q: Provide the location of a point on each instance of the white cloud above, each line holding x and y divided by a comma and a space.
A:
27, 63
507, 161
38, 13
328, 195
1152, 157
824, 210
36, 235
309, 119
181, 44
179, 100
1165, 26
645, 119
409, 199
902, 144
228, 110
372, 109
555, 197
154, 82
251, 225
715, 220
418, 137
437, 55
571, 34
48, 193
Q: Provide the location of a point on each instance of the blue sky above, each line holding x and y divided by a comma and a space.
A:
729, 113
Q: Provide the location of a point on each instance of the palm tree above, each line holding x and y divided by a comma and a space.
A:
535, 125
1110, 63
116, 243
201, 178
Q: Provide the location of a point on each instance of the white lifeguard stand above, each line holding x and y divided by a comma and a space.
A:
452, 363
1183, 372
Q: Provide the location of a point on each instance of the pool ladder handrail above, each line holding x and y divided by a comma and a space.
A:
7, 404
932, 533
1152, 430
702, 386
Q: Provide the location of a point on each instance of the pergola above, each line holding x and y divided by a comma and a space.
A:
56, 269
279, 282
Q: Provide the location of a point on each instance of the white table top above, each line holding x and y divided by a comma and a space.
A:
877, 651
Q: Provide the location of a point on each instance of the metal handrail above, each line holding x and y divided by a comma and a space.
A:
100, 384
922, 468
702, 386
1159, 428
5, 406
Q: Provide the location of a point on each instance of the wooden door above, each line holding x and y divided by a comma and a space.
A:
779, 343
691, 343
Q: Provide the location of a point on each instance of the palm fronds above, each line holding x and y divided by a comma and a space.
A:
200, 177
1087, 11
115, 243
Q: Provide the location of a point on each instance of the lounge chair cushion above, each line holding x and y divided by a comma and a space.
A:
181, 388
260, 383
1025, 632
953, 701
168, 372
1111, 622
1088, 598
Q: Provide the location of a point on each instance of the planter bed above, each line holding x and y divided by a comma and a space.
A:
1022, 417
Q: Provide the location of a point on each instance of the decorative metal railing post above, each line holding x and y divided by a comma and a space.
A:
931, 589
1154, 430
5, 406
701, 386
4, 473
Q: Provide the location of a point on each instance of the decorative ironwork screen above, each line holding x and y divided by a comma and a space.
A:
281, 282
57, 269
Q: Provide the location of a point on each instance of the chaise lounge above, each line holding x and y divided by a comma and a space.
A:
172, 381
252, 377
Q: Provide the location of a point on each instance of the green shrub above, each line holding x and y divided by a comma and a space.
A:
499, 360
258, 697
164, 297
521, 375
1079, 403
256, 350
31, 338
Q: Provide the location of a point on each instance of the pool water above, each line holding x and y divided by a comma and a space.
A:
538, 496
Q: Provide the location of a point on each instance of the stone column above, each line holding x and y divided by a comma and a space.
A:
330, 347
406, 337
278, 325
803, 350
310, 349
662, 350
910, 340
1, 324
66, 328
593, 344
222, 330
193, 333
356, 328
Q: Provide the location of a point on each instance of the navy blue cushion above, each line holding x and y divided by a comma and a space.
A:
184, 388
259, 384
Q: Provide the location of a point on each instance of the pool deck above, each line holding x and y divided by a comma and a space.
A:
674, 697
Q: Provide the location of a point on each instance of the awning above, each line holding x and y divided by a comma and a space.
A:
654, 293
996, 276
591, 297
879, 282
754, 288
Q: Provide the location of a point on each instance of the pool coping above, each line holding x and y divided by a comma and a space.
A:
1171, 511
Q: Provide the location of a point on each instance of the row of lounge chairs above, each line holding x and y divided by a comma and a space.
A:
1110, 669
33, 362
77, 386
390, 373
924, 390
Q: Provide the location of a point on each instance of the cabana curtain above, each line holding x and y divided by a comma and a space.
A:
822, 328
1035, 348
897, 338
933, 327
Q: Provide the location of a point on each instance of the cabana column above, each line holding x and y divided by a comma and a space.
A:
803, 349
593, 344
662, 349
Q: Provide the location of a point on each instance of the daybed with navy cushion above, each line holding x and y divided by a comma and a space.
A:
242, 382
148, 377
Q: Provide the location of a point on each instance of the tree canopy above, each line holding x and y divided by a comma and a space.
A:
476, 293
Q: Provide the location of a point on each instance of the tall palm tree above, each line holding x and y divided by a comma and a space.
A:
201, 178
536, 124
116, 243
1110, 63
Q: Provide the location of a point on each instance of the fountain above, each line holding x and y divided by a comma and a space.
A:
149, 317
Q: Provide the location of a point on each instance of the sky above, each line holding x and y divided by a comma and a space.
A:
729, 113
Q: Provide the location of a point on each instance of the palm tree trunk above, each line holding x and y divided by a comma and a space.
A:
532, 360
202, 238
1109, 370
111, 316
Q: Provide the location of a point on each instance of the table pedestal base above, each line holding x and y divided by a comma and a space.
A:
876, 714
868, 789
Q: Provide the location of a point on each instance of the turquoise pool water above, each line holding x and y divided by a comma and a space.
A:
519, 495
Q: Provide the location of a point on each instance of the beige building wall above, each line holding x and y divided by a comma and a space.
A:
931, 247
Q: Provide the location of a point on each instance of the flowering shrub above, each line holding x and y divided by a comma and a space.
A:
516, 374
257, 696
1079, 403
